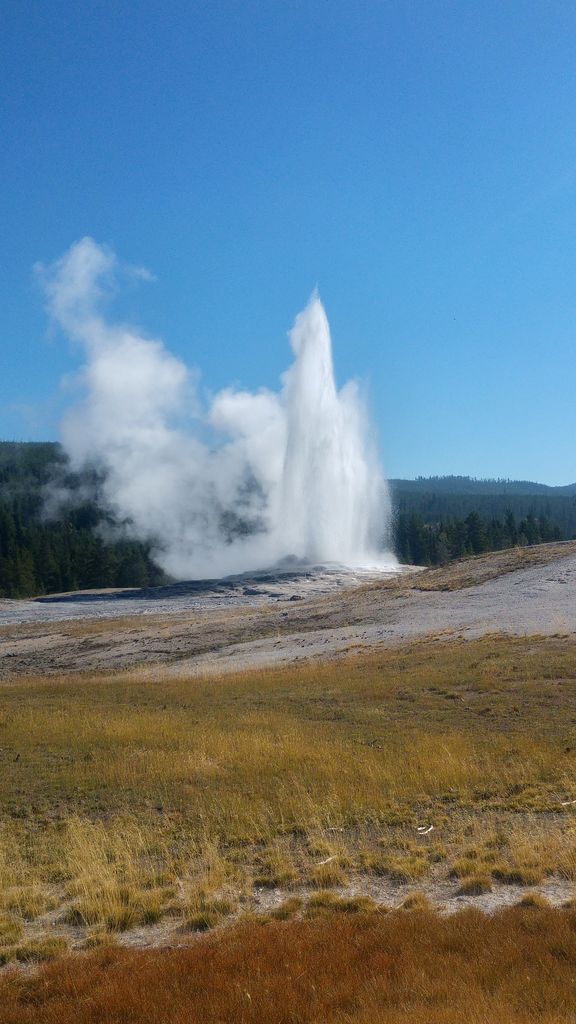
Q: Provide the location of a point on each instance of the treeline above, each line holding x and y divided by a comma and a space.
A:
470, 485
38, 558
69, 553
419, 543
434, 507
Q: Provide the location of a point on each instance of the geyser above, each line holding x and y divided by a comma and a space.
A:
284, 475
332, 502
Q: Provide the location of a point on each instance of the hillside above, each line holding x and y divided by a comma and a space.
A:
470, 485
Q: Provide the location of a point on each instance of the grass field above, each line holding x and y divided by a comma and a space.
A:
516, 967
131, 803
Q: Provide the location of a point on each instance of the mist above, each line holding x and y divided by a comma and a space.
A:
245, 481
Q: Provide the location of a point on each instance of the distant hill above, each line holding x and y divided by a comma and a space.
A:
34, 458
28, 460
438, 499
470, 485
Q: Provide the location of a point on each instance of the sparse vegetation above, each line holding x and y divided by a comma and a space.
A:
475, 885
128, 801
417, 901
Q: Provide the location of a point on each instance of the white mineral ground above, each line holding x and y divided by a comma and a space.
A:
277, 618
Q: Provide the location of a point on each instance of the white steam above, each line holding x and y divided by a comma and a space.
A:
287, 474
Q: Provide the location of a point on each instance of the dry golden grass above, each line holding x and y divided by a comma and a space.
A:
287, 909
328, 874
205, 911
11, 930
34, 950
516, 967
326, 902
417, 900
475, 885
125, 800
470, 572
534, 901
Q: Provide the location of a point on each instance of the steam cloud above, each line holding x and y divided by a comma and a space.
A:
251, 480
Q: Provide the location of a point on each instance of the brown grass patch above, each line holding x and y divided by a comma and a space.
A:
417, 968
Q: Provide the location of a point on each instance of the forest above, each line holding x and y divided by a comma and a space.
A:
54, 546
42, 553
419, 543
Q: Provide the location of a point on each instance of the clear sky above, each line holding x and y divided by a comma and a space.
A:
415, 159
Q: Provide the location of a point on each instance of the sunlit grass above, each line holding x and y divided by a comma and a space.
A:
128, 799
346, 962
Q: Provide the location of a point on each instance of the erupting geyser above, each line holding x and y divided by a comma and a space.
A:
288, 474
332, 497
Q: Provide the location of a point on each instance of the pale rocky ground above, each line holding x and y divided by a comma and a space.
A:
443, 895
540, 600
220, 626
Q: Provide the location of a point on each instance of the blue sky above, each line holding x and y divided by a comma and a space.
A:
415, 160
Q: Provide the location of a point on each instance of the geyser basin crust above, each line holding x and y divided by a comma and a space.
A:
280, 585
521, 591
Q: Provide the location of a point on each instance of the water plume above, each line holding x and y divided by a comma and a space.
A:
332, 496
243, 482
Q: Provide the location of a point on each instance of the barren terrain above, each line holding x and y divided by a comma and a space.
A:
267, 619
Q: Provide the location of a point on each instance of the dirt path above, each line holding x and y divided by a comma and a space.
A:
216, 627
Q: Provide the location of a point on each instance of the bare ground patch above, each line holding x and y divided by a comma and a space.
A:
523, 591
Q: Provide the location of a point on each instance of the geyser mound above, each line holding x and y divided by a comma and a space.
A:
283, 475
